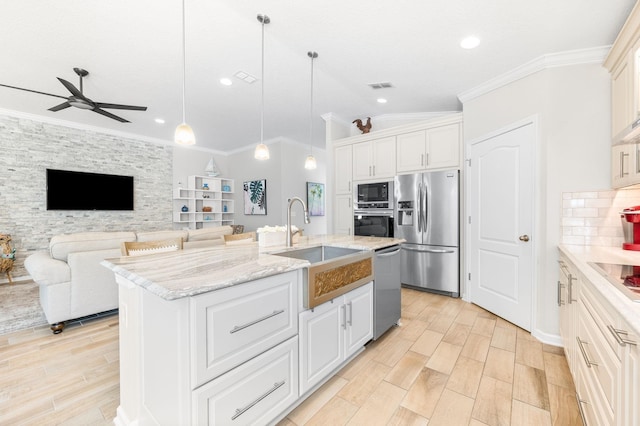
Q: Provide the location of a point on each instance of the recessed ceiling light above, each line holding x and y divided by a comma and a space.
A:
159, 120
381, 100
470, 42
226, 81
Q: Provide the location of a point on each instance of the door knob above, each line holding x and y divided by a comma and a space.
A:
524, 238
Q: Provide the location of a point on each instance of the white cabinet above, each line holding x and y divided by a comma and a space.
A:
625, 165
433, 148
196, 360
343, 165
568, 287
375, 159
630, 374
622, 96
332, 332
343, 222
207, 201
254, 393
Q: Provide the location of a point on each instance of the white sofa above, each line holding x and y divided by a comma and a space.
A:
72, 282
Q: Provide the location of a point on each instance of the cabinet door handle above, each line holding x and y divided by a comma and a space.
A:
622, 341
349, 186
570, 289
584, 353
241, 411
254, 322
622, 172
560, 285
374, 170
350, 322
343, 308
369, 170
580, 402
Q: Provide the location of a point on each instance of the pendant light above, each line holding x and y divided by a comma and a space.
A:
262, 151
184, 134
310, 162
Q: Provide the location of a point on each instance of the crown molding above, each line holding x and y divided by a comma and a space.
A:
552, 60
95, 129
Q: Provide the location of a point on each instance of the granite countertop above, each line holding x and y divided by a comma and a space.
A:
580, 255
193, 271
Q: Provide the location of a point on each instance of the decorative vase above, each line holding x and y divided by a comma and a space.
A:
205, 186
226, 188
185, 208
224, 208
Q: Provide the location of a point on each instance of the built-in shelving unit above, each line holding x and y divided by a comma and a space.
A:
204, 193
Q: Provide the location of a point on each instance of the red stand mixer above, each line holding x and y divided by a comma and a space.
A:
632, 215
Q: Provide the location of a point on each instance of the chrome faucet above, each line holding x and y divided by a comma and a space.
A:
306, 218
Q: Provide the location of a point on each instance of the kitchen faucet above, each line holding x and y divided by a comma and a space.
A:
306, 218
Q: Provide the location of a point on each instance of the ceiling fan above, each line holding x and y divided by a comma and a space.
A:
79, 100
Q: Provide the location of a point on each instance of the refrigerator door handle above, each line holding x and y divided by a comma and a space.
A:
429, 250
419, 207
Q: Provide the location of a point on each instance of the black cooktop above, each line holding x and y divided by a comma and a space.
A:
625, 278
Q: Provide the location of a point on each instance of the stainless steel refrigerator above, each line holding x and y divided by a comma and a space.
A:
427, 216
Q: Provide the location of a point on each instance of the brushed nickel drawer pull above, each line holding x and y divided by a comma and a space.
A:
560, 285
584, 353
254, 322
350, 305
580, 402
241, 411
570, 289
343, 308
621, 340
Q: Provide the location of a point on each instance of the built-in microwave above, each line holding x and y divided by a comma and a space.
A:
373, 223
376, 195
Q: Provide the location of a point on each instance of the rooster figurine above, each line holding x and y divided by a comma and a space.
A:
364, 128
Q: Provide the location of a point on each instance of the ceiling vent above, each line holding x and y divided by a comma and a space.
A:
245, 76
383, 85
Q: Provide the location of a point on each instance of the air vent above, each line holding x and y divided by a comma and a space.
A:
246, 77
383, 85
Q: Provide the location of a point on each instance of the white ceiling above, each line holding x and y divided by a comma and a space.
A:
132, 50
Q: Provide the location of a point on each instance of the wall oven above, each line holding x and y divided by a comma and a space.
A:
373, 223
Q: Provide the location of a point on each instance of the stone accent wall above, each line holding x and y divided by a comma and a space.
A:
28, 148
593, 218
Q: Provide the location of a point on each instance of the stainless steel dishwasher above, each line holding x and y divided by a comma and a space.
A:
386, 295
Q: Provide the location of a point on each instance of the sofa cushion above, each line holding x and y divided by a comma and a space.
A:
161, 235
213, 233
61, 245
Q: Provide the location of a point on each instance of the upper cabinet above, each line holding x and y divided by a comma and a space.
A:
623, 64
437, 147
343, 166
624, 67
375, 159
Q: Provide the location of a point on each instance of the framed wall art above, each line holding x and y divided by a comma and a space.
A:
315, 198
255, 197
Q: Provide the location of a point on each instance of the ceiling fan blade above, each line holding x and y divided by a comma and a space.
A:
108, 114
117, 106
61, 106
33, 91
70, 87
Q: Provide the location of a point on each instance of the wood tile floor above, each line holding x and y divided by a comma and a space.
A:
449, 363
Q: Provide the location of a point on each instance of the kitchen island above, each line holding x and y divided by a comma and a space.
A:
221, 335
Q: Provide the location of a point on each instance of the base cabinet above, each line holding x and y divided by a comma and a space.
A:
603, 353
332, 332
253, 393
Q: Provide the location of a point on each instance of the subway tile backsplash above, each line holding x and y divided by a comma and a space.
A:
593, 218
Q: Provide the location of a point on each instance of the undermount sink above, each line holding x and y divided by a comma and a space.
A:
332, 272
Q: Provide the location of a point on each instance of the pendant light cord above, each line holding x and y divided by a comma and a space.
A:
311, 107
262, 89
184, 65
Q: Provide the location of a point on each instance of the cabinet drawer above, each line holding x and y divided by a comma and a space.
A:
605, 366
602, 317
254, 393
236, 324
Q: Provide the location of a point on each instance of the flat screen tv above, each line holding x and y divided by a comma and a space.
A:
68, 190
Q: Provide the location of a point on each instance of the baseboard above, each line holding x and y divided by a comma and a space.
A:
549, 339
15, 279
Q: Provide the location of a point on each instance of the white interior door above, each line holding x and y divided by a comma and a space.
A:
500, 200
